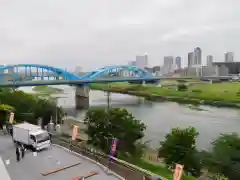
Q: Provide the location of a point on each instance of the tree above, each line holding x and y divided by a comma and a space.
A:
105, 125
182, 87
225, 156
4, 113
180, 147
28, 107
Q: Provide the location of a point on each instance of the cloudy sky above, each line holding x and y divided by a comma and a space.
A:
95, 33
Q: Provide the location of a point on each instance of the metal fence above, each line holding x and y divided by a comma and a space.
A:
122, 168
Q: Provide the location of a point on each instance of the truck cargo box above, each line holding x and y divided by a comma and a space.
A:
21, 132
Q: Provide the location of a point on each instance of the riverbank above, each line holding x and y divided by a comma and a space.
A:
47, 90
148, 162
220, 94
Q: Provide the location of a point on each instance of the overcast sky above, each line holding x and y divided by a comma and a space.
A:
95, 33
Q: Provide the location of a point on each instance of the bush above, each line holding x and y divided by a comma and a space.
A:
196, 91
224, 157
182, 87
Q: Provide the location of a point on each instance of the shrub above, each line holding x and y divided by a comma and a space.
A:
182, 87
196, 91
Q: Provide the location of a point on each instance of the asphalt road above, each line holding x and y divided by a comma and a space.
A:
31, 166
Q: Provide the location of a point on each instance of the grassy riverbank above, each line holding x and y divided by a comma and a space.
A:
221, 94
47, 90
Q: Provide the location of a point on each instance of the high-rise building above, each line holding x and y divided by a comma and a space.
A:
197, 56
190, 59
142, 61
168, 63
209, 60
229, 57
146, 58
178, 62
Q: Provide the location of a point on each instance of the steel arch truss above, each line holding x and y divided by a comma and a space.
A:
117, 71
26, 72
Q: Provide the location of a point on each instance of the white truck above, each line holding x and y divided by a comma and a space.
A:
31, 136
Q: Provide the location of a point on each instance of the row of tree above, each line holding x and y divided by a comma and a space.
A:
26, 107
179, 145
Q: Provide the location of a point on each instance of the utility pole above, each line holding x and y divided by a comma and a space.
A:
56, 114
108, 97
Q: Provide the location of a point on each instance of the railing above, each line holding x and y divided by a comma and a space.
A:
120, 167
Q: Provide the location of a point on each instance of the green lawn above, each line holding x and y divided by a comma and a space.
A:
47, 90
228, 92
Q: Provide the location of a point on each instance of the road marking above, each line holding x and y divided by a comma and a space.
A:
3, 170
85, 177
34, 154
59, 169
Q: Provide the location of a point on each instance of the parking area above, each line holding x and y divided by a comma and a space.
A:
51, 159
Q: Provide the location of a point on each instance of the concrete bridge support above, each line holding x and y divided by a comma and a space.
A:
82, 97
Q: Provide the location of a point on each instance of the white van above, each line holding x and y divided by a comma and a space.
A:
31, 135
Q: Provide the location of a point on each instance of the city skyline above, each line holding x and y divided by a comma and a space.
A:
94, 34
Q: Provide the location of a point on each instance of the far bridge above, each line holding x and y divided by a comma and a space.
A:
20, 75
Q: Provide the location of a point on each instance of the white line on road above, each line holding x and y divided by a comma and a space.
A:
3, 171
91, 160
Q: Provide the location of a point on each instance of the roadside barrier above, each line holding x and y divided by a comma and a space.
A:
122, 168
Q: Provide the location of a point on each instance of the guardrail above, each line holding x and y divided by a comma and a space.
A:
118, 166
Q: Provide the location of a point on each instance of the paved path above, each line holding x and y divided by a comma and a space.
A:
31, 167
3, 170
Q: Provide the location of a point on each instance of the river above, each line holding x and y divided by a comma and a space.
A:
161, 117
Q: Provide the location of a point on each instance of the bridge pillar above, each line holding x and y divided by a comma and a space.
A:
82, 97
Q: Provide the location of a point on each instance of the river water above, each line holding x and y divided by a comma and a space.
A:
161, 117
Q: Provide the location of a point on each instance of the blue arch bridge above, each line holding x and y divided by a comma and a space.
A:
20, 75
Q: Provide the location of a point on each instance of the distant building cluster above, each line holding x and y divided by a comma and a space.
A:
140, 62
173, 66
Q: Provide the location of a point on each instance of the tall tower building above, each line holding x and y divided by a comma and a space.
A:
209, 60
142, 61
190, 59
146, 58
178, 62
229, 57
197, 56
168, 63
